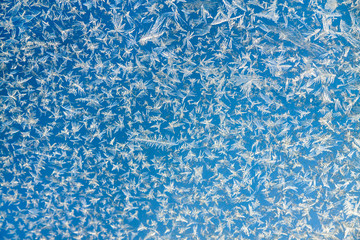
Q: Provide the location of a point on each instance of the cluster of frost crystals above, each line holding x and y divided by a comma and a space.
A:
179, 119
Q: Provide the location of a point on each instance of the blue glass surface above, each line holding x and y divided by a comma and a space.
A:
179, 119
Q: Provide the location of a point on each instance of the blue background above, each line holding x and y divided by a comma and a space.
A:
179, 119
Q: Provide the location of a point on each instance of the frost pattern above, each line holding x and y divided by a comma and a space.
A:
179, 119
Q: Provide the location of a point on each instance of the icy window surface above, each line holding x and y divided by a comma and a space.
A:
179, 119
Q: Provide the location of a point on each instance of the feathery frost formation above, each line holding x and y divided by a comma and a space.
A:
179, 119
